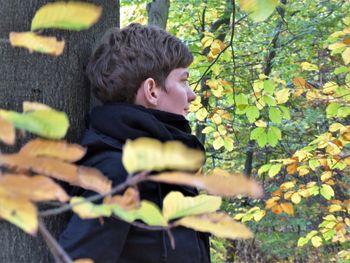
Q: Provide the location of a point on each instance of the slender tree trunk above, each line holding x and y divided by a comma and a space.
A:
56, 81
158, 11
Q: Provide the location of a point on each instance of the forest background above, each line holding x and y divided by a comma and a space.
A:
273, 85
272, 79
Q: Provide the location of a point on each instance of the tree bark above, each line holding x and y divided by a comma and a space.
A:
158, 11
56, 81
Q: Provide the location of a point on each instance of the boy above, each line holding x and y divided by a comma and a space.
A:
140, 74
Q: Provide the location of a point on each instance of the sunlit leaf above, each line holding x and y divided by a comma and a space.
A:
326, 191
35, 188
7, 132
308, 66
316, 241
83, 260
129, 200
218, 143
85, 177
274, 170
282, 96
296, 198
46, 123
287, 208
252, 113
219, 224
257, 9
37, 43
147, 154
88, 210
346, 55
56, 149
216, 183
176, 205
275, 115
34, 106
66, 15
201, 114
18, 211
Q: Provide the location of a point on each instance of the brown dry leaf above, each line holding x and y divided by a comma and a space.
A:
34, 42
216, 183
219, 224
87, 178
7, 132
129, 200
34, 188
18, 211
288, 208
299, 82
56, 149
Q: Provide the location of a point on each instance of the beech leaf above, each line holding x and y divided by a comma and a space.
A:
219, 224
88, 210
7, 132
146, 154
37, 43
66, 15
56, 149
258, 10
216, 183
176, 205
35, 188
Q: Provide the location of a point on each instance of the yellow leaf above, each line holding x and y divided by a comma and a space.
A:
88, 210
33, 106
277, 209
296, 198
332, 148
7, 132
83, 260
287, 185
337, 126
176, 205
303, 170
271, 202
216, 183
346, 55
85, 177
260, 123
259, 215
329, 88
219, 224
206, 41
336, 45
282, 96
216, 119
308, 66
334, 208
146, 154
129, 200
258, 10
316, 241
201, 114
218, 143
56, 149
18, 211
66, 15
34, 42
288, 208
326, 175
35, 188
216, 47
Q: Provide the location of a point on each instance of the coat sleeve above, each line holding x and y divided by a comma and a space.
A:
101, 242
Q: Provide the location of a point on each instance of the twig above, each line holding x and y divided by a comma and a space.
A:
57, 251
129, 182
171, 238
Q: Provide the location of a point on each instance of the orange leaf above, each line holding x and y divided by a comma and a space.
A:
216, 183
83, 260
277, 209
346, 41
7, 132
292, 168
34, 42
288, 208
299, 82
129, 200
35, 188
56, 149
85, 177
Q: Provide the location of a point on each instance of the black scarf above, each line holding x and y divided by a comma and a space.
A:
122, 121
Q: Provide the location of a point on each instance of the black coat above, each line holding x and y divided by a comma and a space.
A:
117, 241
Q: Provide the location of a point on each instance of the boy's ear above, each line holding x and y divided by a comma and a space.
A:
150, 92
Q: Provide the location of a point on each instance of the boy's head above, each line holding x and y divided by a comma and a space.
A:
127, 57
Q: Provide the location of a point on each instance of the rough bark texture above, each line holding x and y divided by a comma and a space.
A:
158, 11
56, 81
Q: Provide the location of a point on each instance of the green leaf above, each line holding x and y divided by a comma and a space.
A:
332, 109
274, 170
273, 135
47, 123
258, 10
341, 70
176, 205
241, 101
66, 15
260, 136
252, 113
269, 100
208, 129
285, 112
269, 86
264, 168
327, 191
302, 241
275, 115
343, 112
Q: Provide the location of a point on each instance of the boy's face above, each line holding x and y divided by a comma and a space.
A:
177, 96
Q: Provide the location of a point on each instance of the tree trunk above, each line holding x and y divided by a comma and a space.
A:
56, 81
158, 11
